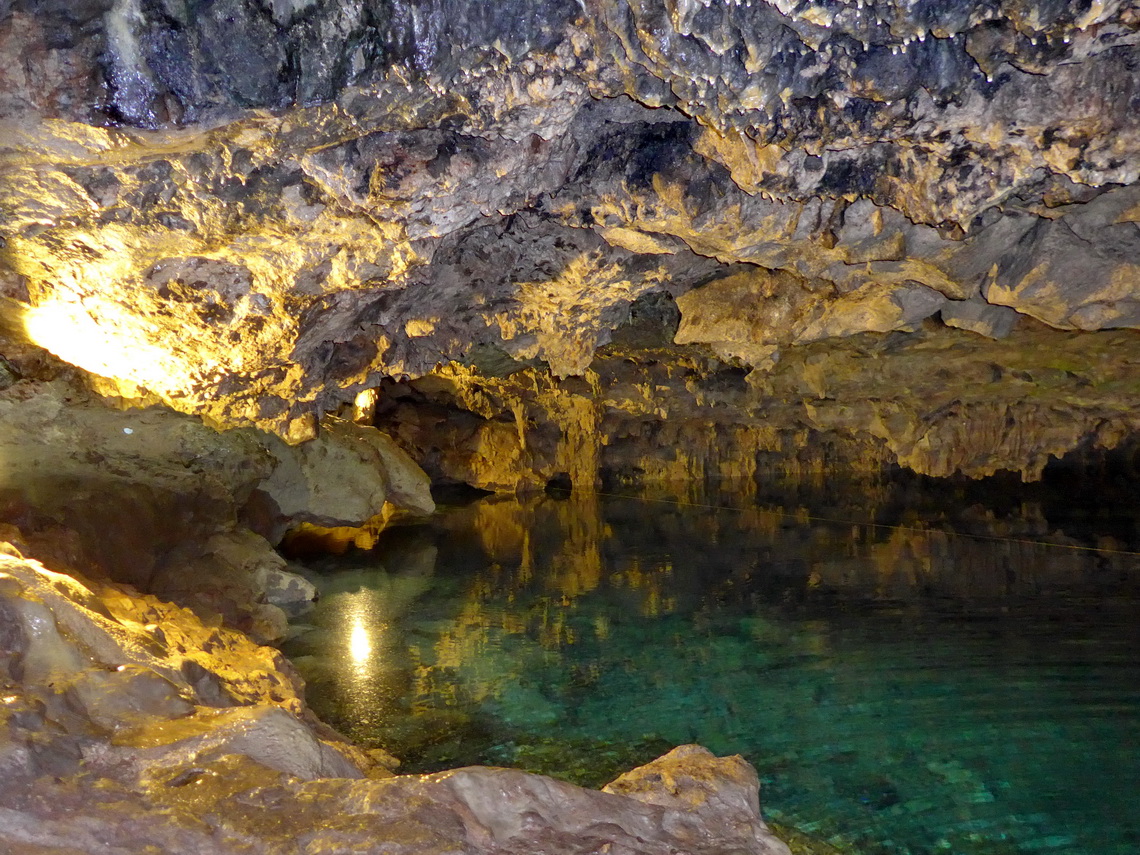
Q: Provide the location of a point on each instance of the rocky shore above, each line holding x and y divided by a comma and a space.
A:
131, 726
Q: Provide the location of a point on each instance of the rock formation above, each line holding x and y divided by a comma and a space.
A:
156, 499
253, 211
536, 241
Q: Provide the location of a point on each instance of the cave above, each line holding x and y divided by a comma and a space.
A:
565, 372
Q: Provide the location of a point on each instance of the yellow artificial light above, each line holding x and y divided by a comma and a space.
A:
359, 643
110, 348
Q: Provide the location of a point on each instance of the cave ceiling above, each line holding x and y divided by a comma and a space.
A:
250, 211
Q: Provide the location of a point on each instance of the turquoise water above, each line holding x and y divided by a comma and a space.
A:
900, 688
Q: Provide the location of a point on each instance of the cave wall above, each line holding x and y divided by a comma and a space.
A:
251, 211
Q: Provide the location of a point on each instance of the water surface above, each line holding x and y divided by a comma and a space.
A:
901, 688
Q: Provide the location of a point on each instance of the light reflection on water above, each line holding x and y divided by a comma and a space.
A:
902, 690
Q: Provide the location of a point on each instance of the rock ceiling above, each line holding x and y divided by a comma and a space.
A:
252, 210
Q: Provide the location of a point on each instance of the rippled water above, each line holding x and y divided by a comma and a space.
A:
900, 689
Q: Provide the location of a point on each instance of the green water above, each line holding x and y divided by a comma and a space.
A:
900, 690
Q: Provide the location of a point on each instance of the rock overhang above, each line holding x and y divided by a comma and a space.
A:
253, 211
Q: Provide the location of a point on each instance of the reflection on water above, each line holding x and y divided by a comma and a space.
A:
900, 689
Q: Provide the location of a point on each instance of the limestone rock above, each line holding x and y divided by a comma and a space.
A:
56, 431
979, 316
127, 685
235, 575
692, 779
128, 697
1079, 271
938, 400
290, 591
253, 213
113, 492
268, 735
345, 476
751, 309
234, 803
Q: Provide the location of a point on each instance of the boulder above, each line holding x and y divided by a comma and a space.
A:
235, 575
691, 780
291, 592
345, 476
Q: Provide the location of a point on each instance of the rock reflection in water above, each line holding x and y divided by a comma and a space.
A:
907, 686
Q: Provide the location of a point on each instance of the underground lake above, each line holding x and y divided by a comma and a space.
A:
275, 275
911, 669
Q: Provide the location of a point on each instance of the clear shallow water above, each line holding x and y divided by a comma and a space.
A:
899, 690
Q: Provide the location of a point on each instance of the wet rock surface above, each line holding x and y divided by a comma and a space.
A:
124, 686
274, 206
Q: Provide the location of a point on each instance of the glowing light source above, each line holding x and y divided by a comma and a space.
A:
112, 347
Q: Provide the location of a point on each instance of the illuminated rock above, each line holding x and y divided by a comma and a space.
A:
130, 685
691, 779
937, 400
253, 212
747, 315
156, 499
345, 476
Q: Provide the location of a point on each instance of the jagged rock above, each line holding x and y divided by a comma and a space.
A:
114, 492
938, 400
149, 497
270, 207
291, 592
236, 803
96, 660
128, 697
266, 734
56, 431
1078, 271
748, 314
691, 778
